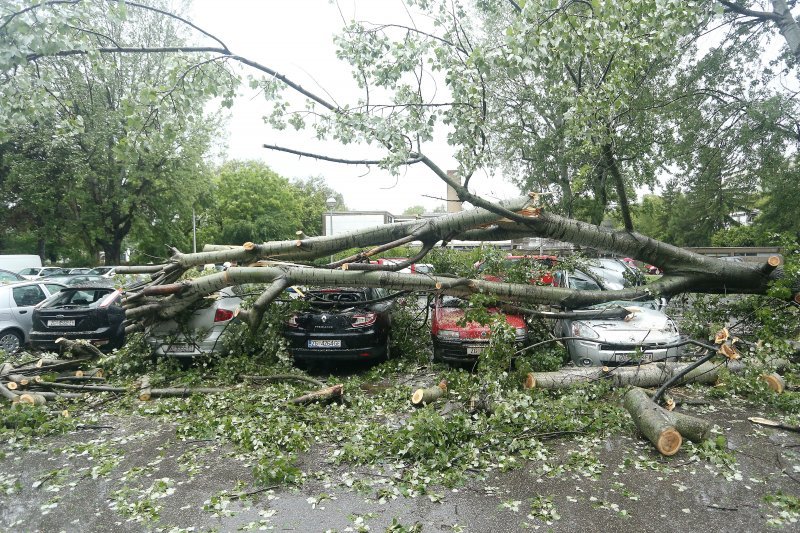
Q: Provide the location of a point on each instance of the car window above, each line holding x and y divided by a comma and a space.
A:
582, 283
29, 271
54, 288
80, 297
7, 276
28, 295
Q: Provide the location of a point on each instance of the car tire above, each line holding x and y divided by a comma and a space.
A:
437, 356
10, 341
388, 355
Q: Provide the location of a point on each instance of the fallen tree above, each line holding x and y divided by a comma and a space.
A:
403, 142
165, 297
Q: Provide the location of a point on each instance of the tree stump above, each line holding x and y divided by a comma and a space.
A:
428, 395
775, 382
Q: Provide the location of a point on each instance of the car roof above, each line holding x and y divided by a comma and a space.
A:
90, 285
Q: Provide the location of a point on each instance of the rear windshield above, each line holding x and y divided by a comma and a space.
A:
335, 297
79, 298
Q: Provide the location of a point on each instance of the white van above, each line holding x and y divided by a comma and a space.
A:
15, 263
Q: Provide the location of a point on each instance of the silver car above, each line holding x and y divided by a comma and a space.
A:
639, 338
200, 335
17, 301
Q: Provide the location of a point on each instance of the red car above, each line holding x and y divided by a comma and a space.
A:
454, 343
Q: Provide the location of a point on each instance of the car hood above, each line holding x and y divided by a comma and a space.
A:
645, 325
450, 317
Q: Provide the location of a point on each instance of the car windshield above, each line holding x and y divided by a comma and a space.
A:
646, 304
84, 297
452, 301
100, 270
8, 276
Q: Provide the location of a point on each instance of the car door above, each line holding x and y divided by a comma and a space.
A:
23, 299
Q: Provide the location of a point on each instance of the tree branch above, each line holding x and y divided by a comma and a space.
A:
302, 153
762, 15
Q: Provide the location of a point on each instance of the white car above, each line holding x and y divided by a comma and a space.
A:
200, 335
40, 272
642, 338
105, 271
17, 301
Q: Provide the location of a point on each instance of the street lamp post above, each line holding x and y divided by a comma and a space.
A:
331, 203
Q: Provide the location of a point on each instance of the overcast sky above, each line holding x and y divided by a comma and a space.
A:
296, 39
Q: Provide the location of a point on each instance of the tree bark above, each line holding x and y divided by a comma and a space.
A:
323, 395
653, 422
7, 394
145, 393
690, 427
184, 392
78, 348
645, 376
788, 26
428, 395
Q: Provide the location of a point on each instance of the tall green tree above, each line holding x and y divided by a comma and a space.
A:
131, 129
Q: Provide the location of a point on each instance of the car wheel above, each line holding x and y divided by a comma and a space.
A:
388, 348
437, 356
10, 341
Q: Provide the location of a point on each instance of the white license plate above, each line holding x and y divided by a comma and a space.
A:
325, 343
180, 348
474, 350
60, 322
634, 357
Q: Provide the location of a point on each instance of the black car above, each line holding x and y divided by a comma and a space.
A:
343, 324
89, 312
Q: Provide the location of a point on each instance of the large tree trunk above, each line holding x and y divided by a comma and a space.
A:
653, 422
646, 376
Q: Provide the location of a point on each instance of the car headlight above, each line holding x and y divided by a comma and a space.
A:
447, 334
672, 327
581, 329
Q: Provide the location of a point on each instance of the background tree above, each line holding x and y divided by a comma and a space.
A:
130, 129
251, 203
414, 210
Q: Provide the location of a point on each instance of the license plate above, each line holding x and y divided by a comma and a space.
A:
474, 350
325, 343
634, 357
60, 322
181, 348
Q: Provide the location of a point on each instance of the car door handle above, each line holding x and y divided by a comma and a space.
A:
23, 311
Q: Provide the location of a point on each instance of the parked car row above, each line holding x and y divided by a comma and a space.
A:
33, 273
342, 323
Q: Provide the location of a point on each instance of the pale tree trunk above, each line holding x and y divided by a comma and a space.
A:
788, 26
